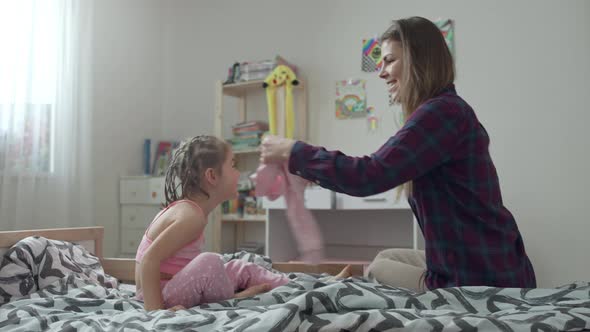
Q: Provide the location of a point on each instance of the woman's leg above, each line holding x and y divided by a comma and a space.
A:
203, 280
245, 274
399, 268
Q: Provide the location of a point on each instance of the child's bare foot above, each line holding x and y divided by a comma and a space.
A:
345, 273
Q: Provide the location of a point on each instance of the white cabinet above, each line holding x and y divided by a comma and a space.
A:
156, 190
316, 198
135, 216
386, 200
133, 190
140, 199
354, 229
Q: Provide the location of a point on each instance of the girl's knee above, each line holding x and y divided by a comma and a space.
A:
208, 258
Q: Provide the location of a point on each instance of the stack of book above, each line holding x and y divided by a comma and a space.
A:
256, 70
247, 135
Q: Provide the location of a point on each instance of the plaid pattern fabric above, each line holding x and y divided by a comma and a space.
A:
471, 238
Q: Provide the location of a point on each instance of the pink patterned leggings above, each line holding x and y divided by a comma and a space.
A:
206, 279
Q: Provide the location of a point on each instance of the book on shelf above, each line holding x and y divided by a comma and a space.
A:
147, 148
163, 156
246, 205
247, 135
249, 127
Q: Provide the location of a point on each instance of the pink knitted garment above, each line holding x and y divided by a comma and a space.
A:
274, 181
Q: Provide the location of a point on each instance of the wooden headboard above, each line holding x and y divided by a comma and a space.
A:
90, 238
124, 268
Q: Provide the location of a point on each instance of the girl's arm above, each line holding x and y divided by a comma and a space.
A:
187, 225
427, 140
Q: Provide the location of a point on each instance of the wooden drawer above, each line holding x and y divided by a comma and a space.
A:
137, 216
316, 198
134, 191
130, 239
386, 200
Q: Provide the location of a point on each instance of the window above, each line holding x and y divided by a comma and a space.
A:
28, 83
27, 149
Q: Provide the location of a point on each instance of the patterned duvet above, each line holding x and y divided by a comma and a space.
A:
59, 286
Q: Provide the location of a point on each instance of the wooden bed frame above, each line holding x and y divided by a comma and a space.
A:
124, 268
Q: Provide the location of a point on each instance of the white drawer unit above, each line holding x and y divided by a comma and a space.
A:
383, 201
141, 199
134, 190
130, 239
353, 228
137, 216
318, 198
156, 190
315, 198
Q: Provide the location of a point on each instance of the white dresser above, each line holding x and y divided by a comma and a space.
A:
140, 198
354, 229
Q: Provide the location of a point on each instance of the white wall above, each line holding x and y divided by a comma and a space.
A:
156, 61
522, 65
127, 99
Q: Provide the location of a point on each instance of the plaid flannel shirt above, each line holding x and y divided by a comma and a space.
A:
470, 236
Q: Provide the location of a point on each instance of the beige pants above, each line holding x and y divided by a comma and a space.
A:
399, 268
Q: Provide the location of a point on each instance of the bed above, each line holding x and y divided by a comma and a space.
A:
94, 293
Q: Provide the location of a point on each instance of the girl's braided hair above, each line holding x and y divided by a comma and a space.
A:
189, 162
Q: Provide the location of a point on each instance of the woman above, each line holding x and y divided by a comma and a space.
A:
441, 157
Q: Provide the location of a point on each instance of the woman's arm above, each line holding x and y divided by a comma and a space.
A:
185, 228
426, 141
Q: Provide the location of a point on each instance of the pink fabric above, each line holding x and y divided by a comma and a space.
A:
181, 258
206, 280
274, 181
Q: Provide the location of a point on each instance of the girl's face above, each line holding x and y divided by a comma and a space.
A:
229, 177
391, 72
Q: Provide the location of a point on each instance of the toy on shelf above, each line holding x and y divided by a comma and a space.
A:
282, 75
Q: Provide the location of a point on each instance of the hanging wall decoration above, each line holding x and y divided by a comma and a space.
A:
446, 27
372, 120
371, 60
351, 99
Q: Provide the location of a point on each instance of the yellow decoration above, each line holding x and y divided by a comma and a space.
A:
281, 76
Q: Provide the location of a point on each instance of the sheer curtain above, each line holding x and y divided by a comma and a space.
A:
45, 114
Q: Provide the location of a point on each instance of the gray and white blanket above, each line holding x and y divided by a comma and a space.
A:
76, 302
35, 262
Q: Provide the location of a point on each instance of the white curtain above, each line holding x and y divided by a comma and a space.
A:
45, 114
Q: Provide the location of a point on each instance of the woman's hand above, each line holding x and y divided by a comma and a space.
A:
253, 290
275, 149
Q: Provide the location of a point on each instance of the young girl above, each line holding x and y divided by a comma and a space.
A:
171, 271
441, 153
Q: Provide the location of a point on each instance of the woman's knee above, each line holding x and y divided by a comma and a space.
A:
393, 253
378, 268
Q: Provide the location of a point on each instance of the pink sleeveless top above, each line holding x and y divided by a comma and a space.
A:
182, 257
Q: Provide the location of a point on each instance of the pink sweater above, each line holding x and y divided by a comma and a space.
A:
274, 181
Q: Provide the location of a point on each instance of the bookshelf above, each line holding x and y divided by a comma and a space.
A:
230, 231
